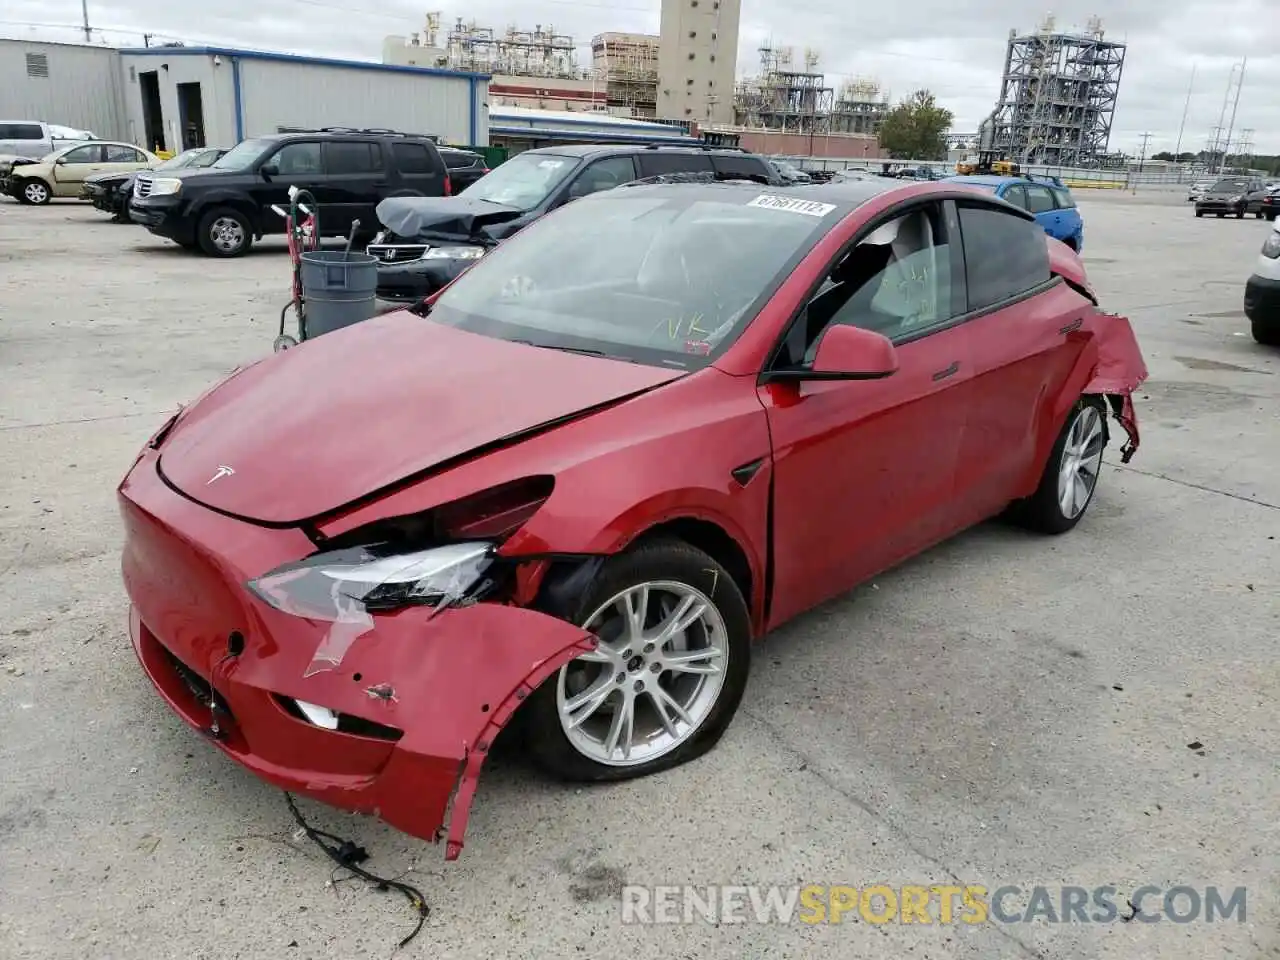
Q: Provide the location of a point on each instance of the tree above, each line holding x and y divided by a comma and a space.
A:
916, 128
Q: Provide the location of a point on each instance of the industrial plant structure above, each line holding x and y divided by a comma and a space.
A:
784, 98
1057, 98
627, 63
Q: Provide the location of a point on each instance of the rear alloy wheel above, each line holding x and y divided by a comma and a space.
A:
1071, 473
666, 678
35, 192
224, 232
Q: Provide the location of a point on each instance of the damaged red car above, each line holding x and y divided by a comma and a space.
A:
571, 490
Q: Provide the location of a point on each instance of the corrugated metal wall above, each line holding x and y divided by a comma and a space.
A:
83, 88
280, 93
217, 94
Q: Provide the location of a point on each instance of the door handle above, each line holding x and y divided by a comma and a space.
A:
1073, 326
951, 371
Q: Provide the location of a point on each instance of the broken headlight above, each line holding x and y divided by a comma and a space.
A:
333, 586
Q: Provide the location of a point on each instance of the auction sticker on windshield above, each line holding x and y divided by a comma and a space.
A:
810, 208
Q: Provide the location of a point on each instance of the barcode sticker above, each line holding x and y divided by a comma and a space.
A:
810, 208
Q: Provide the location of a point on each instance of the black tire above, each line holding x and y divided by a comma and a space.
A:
1259, 214
1270, 215
1221, 215
655, 560
216, 234
34, 192
1199, 213
1042, 511
1240, 214
1268, 336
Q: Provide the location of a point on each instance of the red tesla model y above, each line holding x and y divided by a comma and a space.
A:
574, 487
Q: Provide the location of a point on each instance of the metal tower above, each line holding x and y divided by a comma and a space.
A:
1057, 97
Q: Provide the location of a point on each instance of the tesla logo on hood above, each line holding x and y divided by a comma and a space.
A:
222, 471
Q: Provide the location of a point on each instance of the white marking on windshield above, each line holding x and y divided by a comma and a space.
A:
810, 208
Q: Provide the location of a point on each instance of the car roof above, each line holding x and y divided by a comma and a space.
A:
988, 180
846, 196
595, 149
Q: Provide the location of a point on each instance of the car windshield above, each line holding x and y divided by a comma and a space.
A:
1224, 185
652, 275
197, 157
524, 181
242, 155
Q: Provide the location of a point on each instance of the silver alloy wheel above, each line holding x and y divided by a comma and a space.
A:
653, 679
36, 192
1081, 460
227, 234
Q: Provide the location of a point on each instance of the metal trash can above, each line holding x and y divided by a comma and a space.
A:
338, 289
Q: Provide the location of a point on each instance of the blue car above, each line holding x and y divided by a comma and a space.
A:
1048, 199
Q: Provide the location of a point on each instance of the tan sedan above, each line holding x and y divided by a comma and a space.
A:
62, 173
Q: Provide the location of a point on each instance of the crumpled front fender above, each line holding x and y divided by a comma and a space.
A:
1120, 370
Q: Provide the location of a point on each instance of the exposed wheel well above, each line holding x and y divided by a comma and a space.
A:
1071, 242
714, 542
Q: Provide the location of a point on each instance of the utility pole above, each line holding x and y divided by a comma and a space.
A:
1235, 106
1177, 151
146, 39
1142, 159
84, 15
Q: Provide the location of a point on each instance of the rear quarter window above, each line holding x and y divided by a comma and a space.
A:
739, 166
654, 163
459, 161
21, 131
1064, 198
414, 158
1005, 255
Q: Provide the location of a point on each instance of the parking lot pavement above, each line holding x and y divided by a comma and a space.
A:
1005, 710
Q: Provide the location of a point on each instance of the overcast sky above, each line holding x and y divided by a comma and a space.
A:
954, 48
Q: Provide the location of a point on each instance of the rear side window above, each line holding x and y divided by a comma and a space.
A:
21, 131
118, 153
340, 158
1064, 198
460, 161
412, 158
1039, 199
1005, 256
740, 165
656, 162
1015, 195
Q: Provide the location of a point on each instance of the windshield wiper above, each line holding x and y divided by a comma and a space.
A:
585, 351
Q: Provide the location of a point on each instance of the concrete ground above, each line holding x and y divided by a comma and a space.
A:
1005, 710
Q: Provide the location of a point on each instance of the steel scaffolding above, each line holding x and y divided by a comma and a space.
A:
1057, 97
540, 52
627, 63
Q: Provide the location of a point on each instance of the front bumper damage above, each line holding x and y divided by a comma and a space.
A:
391, 714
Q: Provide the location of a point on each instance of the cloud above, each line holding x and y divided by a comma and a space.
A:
955, 49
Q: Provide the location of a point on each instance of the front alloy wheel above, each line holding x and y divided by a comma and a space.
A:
36, 192
652, 680
666, 676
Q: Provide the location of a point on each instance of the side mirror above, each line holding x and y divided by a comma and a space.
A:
846, 353
61, 161
269, 170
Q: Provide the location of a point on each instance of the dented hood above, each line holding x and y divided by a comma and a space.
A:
338, 418
428, 217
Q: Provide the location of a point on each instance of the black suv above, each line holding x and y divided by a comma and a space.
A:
222, 209
465, 167
427, 243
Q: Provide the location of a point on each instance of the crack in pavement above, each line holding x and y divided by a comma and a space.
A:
1194, 486
904, 836
63, 423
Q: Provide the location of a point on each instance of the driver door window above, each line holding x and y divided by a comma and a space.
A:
298, 160
1017, 196
87, 154
896, 281
603, 175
